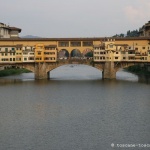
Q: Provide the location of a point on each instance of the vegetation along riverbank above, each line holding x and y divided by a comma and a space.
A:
137, 69
12, 71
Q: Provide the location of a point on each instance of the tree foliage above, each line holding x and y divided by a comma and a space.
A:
119, 35
134, 33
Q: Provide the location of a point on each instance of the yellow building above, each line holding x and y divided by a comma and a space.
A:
50, 49
7, 53
45, 53
39, 53
122, 50
19, 54
50, 53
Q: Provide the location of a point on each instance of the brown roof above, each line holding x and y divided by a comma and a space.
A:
15, 29
1, 23
74, 39
7, 45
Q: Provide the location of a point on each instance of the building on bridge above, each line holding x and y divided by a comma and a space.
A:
49, 50
27, 54
112, 51
45, 53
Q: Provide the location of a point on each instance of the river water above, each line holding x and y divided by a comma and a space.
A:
75, 110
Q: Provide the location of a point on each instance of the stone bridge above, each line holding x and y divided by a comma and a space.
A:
41, 70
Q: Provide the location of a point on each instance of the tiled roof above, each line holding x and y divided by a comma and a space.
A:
73, 39
15, 29
7, 45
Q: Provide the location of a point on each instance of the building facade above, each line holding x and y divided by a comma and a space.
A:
9, 32
123, 51
145, 30
18, 50
27, 54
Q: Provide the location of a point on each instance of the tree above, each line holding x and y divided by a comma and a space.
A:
128, 33
134, 33
121, 35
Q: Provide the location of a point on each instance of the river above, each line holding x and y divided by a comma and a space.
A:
74, 110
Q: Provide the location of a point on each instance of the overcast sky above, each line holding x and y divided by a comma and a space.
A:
74, 18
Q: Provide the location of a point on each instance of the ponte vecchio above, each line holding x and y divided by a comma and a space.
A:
41, 55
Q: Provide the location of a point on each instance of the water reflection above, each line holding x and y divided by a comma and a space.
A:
123, 75
144, 79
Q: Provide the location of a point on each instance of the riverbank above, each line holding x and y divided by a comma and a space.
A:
138, 70
8, 72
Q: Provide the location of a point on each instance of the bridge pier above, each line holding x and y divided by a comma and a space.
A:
109, 70
40, 71
48, 75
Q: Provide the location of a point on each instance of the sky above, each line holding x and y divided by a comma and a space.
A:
75, 18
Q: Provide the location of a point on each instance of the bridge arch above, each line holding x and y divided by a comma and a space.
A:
87, 53
63, 54
99, 66
122, 65
30, 67
76, 53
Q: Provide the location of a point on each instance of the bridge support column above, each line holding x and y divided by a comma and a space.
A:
48, 75
40, 71
109, 71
